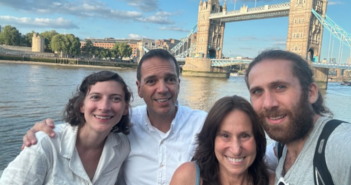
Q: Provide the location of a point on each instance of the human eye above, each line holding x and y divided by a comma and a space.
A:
94, 97
280, 87
150, 81
171, 79
256, 91
245, 136
116, 99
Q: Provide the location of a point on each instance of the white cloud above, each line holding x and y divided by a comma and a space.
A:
143, 5
81, 8
335, 2
134, 36
174, 28
39, 22
156, 19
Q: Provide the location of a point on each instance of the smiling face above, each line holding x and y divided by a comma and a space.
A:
276, 95
159, 86
103, 106
235, 145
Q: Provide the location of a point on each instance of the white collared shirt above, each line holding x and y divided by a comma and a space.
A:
154, 157
56, 160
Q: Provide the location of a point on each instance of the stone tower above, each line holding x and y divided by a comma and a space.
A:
305, 32
210, 33
37, 43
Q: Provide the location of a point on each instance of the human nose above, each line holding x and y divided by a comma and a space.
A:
162, 87
235, 146
269, 101
105, 104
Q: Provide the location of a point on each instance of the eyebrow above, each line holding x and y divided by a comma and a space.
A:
271, 84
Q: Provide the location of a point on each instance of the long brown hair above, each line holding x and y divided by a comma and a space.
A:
204, 153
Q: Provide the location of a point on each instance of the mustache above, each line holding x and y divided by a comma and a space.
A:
273, 112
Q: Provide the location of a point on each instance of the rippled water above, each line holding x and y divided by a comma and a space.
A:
31, 93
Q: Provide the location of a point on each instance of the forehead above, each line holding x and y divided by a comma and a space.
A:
271, 70
110, 86
156, 65
236, 121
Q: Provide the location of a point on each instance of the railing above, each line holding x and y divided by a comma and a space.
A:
260, 9
332, 66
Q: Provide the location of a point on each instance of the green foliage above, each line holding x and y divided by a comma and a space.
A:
122, 49
10, 36
48, 35
65, 43
27, 39
88, 48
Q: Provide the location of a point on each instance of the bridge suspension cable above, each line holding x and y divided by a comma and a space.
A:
335, 29
181, 43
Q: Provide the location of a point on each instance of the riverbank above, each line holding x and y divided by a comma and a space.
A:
66, 65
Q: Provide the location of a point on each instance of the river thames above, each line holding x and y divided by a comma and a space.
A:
30, 93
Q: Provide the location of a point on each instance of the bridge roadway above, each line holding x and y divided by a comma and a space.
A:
245, 13
230, 62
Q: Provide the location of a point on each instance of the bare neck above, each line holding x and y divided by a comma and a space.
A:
162, 122
243, 179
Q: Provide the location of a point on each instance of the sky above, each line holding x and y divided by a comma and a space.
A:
162, 19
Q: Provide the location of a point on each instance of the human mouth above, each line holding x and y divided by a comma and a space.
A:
276, 117
162, 100
103, 117
235, 160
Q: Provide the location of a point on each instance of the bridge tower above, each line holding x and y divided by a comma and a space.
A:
210, 33
209, 43
305, 34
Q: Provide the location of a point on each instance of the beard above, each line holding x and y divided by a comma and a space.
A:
299, 124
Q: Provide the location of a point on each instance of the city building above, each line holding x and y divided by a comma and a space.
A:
108, 43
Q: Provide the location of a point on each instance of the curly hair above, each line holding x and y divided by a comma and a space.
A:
204, 153
74, 117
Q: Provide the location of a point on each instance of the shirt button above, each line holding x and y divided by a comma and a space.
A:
161, 165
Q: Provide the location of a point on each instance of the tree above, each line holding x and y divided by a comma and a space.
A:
88, 47
10, 36
27, 39
122, 49
48, 35
68, 44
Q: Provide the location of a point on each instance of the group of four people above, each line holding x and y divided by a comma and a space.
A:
173, 144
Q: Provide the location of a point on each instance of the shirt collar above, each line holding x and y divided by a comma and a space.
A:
151, 128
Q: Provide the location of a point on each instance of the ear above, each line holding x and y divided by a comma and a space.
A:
313, 93
82, 109
126, 109
139, 89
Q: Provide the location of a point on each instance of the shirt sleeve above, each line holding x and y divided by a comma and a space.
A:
29, 167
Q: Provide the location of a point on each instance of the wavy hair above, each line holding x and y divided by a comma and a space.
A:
74, 117
204, 153
300, 69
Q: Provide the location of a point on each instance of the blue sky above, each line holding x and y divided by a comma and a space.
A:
158, 19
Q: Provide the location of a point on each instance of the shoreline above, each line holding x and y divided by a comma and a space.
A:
57, 64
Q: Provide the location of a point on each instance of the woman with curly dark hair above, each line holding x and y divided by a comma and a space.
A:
231, 148
90, 148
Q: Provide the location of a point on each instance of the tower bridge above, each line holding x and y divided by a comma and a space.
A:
307, 18
305, 33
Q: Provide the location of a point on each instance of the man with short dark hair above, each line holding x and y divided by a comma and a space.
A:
291, 109
163, 134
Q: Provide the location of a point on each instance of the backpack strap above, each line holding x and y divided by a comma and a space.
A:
321, 173
279, 147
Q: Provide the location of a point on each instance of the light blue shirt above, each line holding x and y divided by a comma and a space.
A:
56, 160
154, 156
